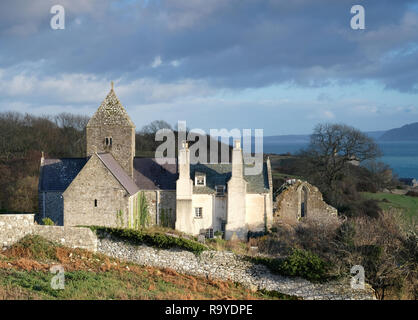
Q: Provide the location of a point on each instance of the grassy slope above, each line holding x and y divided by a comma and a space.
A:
24, 274
409, 205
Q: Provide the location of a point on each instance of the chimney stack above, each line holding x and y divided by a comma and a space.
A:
184, 161
237, 160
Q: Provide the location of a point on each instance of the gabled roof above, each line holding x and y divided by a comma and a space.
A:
111, 113
117, 171
57, 174
220, 173
150, 175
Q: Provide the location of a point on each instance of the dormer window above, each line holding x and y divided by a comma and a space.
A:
220, 191
108, 141
200, 179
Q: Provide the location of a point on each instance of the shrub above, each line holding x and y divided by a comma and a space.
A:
304, 264
412, 193
159, 240
47, 222
346, 234
300, 263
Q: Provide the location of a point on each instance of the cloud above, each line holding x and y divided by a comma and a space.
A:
187, 54
157, 62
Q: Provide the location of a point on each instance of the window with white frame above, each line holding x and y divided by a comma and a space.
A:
209, 233
200, 180
198, 212
220, 191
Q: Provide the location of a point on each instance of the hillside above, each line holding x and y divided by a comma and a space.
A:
24, 274
407, 132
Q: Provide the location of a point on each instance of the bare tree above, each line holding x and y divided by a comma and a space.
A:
333, 146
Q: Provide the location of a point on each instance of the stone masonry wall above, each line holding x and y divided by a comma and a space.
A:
289, 204
72, 237
95, 182
14, 227
229, 266
123, 145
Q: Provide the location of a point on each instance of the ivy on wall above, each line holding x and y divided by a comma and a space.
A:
142, 216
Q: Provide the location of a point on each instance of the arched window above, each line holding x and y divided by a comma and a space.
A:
303, 202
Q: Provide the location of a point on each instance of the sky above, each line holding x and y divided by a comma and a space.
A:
278, 65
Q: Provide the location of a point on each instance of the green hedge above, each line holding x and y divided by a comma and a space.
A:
300, 263
154, 239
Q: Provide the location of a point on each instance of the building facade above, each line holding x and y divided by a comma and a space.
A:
107, 186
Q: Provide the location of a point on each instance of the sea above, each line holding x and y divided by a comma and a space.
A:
401, 156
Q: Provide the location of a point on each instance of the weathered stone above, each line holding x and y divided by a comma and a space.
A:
298, 200
224, 265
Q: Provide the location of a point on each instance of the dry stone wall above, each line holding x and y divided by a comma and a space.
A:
72, 237
14, 227
229, 266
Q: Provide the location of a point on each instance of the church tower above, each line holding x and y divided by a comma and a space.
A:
111, 130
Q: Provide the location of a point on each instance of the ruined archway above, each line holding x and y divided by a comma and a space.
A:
303, 202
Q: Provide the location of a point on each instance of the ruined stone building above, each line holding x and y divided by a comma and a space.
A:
106, 186
298, 200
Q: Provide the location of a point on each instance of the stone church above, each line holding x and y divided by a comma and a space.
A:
104, 187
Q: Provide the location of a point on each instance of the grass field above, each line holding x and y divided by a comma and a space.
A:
407, 204
24, 274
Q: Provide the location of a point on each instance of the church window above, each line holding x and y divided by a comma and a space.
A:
108, 141
95, 203
198, 212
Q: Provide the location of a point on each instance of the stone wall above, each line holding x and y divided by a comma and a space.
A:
229, 266
14, 227
95, 182
72, 237
123, 143
289, 204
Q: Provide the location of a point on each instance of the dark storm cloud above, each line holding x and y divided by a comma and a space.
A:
232, 44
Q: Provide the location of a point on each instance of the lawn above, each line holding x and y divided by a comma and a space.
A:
409, 205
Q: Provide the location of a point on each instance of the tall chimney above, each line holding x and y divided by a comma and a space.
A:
184, 161
237, 161
236, 225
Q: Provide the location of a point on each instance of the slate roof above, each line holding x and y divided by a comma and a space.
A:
219, 174
57, 174
111, 113
149, 175
117, 171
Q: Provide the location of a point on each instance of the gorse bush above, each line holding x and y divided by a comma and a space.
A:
300, 263
155, 239
304, 264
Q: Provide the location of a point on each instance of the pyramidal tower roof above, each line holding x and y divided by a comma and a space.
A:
111, 113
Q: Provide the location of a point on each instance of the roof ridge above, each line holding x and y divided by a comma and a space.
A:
121, 171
